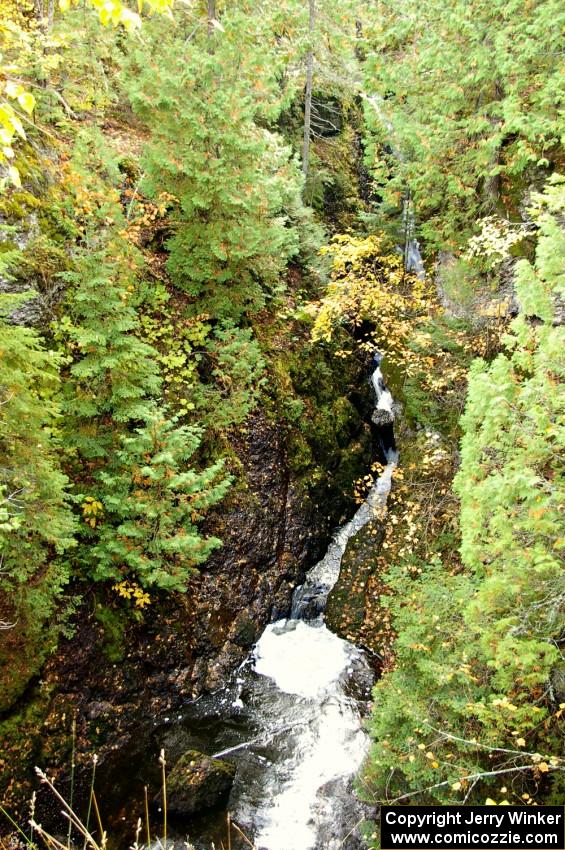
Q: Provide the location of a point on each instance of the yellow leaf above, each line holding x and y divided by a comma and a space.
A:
490, 802
18, 126
27, 102
456, 786
520, 742
13, 89
129, 19
64, 5
543, 767
14, 176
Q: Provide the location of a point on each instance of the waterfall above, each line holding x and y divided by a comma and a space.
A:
302, 657
412, 257
291, 717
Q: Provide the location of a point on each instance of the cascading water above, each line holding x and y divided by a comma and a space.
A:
291, 718
412, 257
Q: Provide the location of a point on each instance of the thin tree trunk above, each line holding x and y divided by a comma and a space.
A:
308, 96
50, 15
211, 17
359, 51
492, 184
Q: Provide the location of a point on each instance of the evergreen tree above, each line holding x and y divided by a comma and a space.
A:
35, 516
114, 373
510, 483
141, 501
36, 522
230, 179
152, 502
473, 94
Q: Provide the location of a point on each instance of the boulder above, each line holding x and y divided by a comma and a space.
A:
382, 417
197, 782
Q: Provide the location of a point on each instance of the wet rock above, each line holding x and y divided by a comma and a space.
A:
229, 657
309, 601
345, 831
280, 601
273, 527
197, 782
347, 607
244, 631
382, 417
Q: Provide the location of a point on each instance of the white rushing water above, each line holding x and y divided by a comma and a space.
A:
301, 659
384, 398
309, 661
412, 257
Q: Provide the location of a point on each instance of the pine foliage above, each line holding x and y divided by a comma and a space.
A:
473, 94
511, 484
152, 501
229, 178
35, 515
114, 372
36, 522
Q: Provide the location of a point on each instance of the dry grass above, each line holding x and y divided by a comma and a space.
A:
82, 836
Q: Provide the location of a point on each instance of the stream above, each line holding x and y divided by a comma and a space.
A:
291, 717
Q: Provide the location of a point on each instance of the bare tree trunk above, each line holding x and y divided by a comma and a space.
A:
492, 185
50, 14
308, 96
211, 17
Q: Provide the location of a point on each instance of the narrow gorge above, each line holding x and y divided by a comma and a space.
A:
281, 418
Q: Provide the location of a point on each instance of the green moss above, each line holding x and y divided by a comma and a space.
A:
114, 624
20, 748
299, 452
7, 246
23, 651
310, 390
15, 206
422, 408
130, 167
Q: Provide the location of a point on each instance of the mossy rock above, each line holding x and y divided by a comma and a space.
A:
197, 782
346, 608
23, 649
